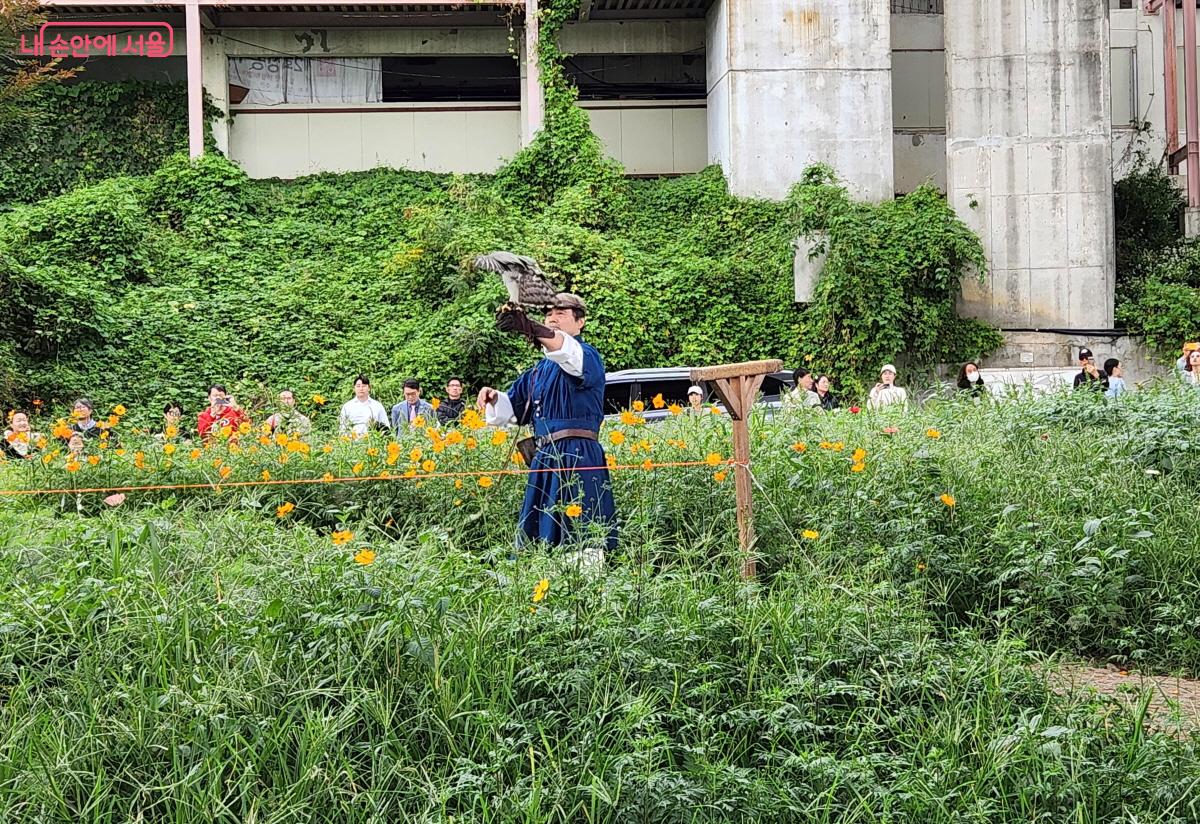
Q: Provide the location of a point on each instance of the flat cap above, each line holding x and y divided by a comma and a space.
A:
569, 300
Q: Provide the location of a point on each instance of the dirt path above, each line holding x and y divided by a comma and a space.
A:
1174, 702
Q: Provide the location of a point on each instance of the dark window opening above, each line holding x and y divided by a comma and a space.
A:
449, 79
638, 76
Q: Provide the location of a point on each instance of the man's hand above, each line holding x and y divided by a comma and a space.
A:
515, 322
486, 395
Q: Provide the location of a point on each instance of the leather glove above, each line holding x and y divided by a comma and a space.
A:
516, 322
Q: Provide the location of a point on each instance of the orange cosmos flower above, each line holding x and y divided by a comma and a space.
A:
574, 510
283, 510
342, 537
364, 557
485, 481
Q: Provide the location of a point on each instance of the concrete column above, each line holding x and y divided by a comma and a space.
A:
1029, 158
214, 66
532, 100
797, 82
195, 87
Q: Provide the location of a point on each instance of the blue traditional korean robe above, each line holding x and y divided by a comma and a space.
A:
551, 399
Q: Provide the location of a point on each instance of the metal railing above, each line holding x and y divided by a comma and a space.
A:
918, 6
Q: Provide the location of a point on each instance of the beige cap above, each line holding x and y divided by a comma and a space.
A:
569, 300
887, 367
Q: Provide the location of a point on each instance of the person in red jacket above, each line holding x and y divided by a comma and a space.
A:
221, 412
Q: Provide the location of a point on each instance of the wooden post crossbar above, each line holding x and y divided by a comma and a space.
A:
737, 385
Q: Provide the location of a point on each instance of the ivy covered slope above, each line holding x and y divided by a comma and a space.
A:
146, 288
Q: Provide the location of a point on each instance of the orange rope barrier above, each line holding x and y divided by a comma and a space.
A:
358, 479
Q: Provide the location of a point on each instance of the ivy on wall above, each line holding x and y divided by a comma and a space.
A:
81, 133
144, 288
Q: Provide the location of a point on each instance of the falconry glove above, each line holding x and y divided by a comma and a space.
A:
516, 322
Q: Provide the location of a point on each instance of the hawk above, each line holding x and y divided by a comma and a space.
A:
526, 283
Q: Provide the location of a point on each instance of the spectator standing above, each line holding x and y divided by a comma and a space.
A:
19, 440
173, 423
1191, 370
84, 424
1188, 348
1116, 381
362, 412
695, 400
802, 396
824, 388
886, 393
970, 381
412, 407
452, 407
1090, 377
221, 412
288, 418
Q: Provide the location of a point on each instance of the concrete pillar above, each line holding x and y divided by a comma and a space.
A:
532, 99
1029, 158
195, 87
214, 67
797, 82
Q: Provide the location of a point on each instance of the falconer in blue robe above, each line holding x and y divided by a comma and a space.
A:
562, 398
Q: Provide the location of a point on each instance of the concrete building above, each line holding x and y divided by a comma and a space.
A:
1021, 110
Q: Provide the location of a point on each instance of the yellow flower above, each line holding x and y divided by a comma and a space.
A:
283, 510
675, 409
435, 403
611, 461
458, 484
458, 501
281, 438
139, 460
811, 534
630, 419
113, 420
428, 465
859, 455
720, 476
364, 557
244, 428
357, 468
327, 448
168, 449
947, 499
713, 458
837, 446
471, 443
933, 433
283, 458
858, 466
647, 464
225, 472
120, 452
415, 455
920, 566
638, 406
372, 452
194, 454
266, 475
485, 481
419, 421
574, 510
319, 399
342, 537
454, 438
799, 446
93, 460
171, 431
657, 401
616, 437
499, 437
119, 409
73, 466
327, 477
61, 430
540, 590
716, 410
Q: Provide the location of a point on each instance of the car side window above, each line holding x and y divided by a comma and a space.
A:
616, 397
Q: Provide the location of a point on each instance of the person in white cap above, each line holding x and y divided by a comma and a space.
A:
886, 393
695, 400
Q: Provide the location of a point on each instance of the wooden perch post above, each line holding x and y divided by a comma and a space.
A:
737, 385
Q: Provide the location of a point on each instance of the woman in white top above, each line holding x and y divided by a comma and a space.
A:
886, 393
1191, 370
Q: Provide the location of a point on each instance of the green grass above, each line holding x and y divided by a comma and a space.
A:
191, 657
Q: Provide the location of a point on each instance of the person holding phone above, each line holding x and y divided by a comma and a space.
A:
221, 412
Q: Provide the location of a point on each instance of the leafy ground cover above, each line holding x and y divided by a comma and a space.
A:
372, 650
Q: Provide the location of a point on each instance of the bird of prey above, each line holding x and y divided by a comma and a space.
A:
526, 283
